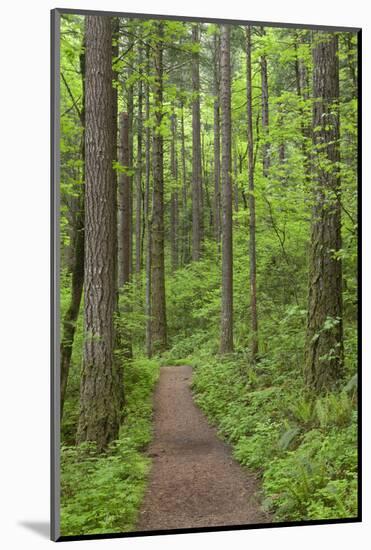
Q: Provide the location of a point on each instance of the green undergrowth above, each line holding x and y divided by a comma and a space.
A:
303, 447
102, 493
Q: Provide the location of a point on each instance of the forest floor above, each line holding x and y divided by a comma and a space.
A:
194, 480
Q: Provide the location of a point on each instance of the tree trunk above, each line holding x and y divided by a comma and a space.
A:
235, 176
124, 203
99, 392
265, 113
185, 236
226, 332
159, 338
217, 223
174, 214
115, 76
324, 342
72, 313
352, 61
124, 211
196, 149
147, 217
301, 74
130, 111
139, 191
252, 224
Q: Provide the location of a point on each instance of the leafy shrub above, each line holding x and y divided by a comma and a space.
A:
317, 480
255, 450
334, 409
102, 493
304, 446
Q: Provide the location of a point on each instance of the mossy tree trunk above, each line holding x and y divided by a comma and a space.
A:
226, 330
217, 222
147, 214
324, 339
124, 203
185, 252
265, 112
174, 199
252, 221
196, 149
138, 187
159, 337
99, 391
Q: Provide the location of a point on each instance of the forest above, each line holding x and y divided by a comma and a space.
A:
208, 218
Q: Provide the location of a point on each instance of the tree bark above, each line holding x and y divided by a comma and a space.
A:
125, 226
77, 280
174, 207
185, 236
217, 222
124, 203
324, 342
235, 176
147, 217
159, 336
139, 191
196, 149
99, 392
130, 112
352, 61
115, 77
226, 332
301, 74
252, 223
265, 113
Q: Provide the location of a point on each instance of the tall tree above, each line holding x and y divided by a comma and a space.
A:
206, 203
115, 82
174, 210
226, 331
159, 336
217, 222
265, 110
124, 203
351, 53
130, 112
147, 217
235, 176
282, 140
301, 75
196, 147
99, 391
185, 255
252, 223
124, 226
324, 342
138, 187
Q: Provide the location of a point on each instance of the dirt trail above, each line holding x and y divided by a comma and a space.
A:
194, 481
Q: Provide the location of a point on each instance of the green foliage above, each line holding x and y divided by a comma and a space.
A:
334, 410
102, 493
255, 450
305, 448
193, 302
71, 410
318, 479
